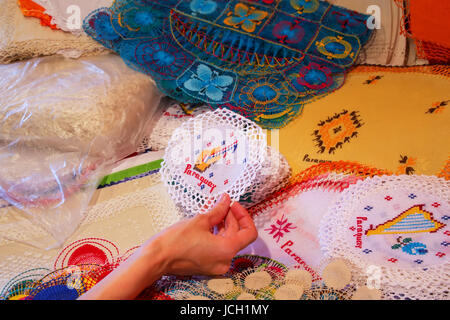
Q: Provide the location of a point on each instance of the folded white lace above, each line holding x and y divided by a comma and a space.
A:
24, 38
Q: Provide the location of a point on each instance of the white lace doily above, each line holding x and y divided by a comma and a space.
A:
398, 225
214, 153
274, 175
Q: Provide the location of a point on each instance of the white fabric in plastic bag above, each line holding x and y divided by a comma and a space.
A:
62, 123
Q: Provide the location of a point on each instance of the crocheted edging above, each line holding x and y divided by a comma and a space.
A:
311, 178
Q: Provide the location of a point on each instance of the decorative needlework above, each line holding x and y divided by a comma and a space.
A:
19, 287
64, 284
372, 131
333, 132
264, 60
288, 221
399, 224
213, 153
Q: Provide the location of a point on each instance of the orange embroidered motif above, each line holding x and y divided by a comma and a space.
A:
373, 79
438, 107
31, 9
337, 130
406, 165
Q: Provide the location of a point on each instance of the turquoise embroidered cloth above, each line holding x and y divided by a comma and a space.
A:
263, 59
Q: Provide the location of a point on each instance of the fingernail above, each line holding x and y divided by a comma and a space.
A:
220, 199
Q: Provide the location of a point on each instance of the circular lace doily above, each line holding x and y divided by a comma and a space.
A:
214, 153
395, 226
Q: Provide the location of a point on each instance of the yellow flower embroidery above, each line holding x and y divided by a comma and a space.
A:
245, 17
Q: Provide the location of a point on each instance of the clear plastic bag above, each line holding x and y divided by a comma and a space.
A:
63, 123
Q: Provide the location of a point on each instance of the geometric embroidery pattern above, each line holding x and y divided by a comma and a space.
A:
413, 220
337, 130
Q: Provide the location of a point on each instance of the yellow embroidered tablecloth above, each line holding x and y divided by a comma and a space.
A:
392, 118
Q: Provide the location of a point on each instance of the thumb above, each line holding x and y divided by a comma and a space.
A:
220, 210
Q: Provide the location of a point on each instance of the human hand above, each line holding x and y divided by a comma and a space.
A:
192, 247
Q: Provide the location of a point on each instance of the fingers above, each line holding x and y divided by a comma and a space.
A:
220, 210
247, 231
231, 224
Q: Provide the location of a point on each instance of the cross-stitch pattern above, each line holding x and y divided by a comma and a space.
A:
262, 59
397, 223
211, 154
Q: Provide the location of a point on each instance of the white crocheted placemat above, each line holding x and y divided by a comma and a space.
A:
398, 225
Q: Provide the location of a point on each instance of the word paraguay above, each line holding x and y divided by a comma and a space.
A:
197, 176
300, 261
359, 231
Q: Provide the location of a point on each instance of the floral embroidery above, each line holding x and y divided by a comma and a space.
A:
305, 6
348, 18
288, 32
409, 247
335, 47
263, 91
208, 83
103, 27
142, 19
245, 17
164, 59
203, 6
314, 76
281, 228
438, 107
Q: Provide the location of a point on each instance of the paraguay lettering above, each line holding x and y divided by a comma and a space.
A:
359, 231
202, 180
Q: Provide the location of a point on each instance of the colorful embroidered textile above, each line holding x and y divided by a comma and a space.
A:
263, 59
368, 121
426, 22
32, 9
397, 225
288, 221
214, 153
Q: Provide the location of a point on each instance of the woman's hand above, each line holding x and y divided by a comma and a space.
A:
192, 248
205, 245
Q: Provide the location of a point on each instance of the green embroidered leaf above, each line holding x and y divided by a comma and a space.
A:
396, 246
406, 240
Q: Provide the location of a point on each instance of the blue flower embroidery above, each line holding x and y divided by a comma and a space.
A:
409, 247
203, 6
208, 82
